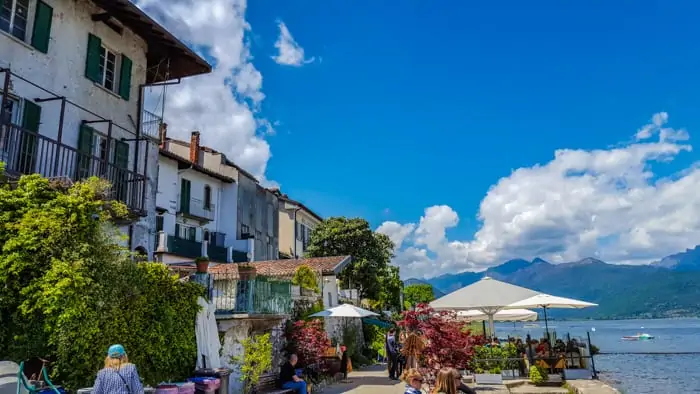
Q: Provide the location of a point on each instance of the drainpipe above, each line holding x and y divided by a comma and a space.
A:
295, 232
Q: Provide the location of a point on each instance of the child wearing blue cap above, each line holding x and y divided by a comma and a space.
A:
118, 376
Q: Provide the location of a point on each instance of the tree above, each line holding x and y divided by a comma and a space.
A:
391, 286
421, 293
448, 343
256, 360
305, 278
70, 290
371, 252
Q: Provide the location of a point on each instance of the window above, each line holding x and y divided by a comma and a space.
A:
108, 68
13, 17
245, 230
207, 197
269, 252
159, 223
185, 232
185, 191
205, 236
300, 233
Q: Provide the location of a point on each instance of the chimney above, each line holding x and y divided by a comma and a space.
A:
163, 134
194, 147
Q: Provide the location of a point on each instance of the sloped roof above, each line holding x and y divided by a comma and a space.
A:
286, 268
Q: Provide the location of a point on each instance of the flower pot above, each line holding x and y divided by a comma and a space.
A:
202, 266
246, 272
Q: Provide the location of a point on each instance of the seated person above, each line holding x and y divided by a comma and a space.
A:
289, 378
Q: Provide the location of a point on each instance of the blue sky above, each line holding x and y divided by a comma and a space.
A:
413, 106
407, 115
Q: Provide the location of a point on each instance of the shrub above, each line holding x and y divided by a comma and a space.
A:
256, 360
538, 375
70, 290
308, 340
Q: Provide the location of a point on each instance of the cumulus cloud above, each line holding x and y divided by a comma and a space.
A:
223, 105
605, 203
396, 232
289, 52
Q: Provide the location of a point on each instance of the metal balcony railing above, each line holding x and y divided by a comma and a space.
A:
196, 208
258, 296
150, 124
27, 152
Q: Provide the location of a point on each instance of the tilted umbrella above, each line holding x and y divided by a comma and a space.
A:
488, 296
546, 301
345, 310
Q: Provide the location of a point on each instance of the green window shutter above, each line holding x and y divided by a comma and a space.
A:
84, 158
177, 230
185, 188
125, 78
92, 62
32, 116
42, 26
121, 155
28, 142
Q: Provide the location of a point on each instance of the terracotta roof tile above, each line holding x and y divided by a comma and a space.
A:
287, 268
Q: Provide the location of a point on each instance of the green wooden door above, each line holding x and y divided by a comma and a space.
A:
185, 189
31, 119
85, 149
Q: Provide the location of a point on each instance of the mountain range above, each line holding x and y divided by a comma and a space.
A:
666, 288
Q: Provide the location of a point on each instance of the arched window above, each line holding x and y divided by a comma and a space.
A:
141, 254
207, 197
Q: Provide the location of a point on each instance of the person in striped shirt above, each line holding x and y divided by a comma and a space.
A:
118, 376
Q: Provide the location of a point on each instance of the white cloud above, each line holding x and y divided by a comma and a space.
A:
290, 53
223, 105
607, 204
396, 232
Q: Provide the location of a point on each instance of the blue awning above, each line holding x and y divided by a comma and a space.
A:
376, 322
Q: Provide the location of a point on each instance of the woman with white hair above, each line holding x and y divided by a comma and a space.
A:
118, 376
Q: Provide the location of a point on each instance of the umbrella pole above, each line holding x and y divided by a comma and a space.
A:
546, 324
492, 326
483, 327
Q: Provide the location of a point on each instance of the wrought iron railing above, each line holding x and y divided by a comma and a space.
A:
217, 253
27, 152
150, 124
197, 208
184, 247
258, 296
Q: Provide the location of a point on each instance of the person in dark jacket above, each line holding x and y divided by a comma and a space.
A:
392, 353
289, 378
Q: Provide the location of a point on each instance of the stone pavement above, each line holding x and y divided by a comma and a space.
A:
371, 380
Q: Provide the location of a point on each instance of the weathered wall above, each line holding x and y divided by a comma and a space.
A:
62, 71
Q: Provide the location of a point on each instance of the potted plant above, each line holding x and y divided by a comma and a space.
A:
246, 271
538, 375
202, 264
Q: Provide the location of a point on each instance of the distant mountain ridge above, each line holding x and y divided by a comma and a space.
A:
667, 288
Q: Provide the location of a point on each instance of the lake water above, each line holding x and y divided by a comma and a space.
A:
627, 367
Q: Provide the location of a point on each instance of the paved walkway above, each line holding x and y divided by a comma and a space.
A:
371, 380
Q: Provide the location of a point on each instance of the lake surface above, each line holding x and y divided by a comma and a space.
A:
627, 366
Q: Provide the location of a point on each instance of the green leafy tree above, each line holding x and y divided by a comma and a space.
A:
418, 294
305, 277
256, 360
70, 290
371, 252
391, 286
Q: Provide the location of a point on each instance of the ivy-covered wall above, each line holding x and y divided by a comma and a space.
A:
70, 290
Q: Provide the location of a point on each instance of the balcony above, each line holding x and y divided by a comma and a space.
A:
196, 209
166, 243
27, 152
259, 296
150, 125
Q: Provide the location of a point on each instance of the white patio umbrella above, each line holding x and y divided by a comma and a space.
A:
345, 310
503, 315
546, 301
488, 296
